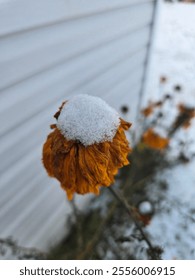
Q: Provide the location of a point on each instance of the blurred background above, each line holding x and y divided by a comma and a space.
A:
133, 54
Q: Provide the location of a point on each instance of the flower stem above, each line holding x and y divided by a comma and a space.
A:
154, 250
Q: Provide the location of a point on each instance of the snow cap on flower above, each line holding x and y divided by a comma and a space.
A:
88, 119
87, 147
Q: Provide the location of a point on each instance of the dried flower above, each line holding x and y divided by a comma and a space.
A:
153, 140
150, 108
183, 119
87, 147
187, 114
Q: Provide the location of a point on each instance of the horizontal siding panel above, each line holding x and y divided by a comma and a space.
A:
62, 81
26, 135
8, 178
109, 81
21, 223
40, 50
121, 93
49, 214
121, 47
124, 86
13, 151
29, 220
132, 113
19, 198
27, 14
49, 227
16, 206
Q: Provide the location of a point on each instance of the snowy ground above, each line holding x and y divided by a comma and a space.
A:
174, 57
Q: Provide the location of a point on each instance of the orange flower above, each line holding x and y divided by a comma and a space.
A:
83, 168
153, 140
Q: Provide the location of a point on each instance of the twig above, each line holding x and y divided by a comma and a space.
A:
154, 251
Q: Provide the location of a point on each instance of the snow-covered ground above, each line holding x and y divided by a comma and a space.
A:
174, 57
173, 52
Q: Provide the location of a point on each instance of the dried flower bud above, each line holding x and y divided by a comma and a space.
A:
184, 118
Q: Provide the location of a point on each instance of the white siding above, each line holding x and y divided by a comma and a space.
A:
50, 50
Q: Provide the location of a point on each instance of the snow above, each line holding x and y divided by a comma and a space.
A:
174, 57
88, 119
174, 51
145, 207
